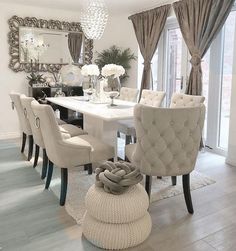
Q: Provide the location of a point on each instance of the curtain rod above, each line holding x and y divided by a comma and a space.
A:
154, 7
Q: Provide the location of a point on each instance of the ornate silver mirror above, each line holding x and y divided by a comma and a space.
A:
41, 45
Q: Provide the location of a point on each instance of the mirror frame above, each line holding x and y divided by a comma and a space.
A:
13, 39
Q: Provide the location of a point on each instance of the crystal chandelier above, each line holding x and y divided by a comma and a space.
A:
94, 19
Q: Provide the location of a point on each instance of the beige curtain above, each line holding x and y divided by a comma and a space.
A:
148, 27
75, 41
200, 21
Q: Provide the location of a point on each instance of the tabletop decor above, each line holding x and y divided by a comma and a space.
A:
112, 72
92, 72
117, 216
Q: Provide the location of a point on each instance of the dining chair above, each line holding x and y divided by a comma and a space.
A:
129, 94
148, 97
167, 143
67, 153
67, 131
184, 100
24, 124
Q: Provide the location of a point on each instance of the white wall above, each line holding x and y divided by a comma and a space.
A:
119, 31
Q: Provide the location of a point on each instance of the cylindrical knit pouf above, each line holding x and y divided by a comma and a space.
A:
124, 208
116, 236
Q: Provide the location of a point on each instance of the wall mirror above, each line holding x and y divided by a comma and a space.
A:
41, 45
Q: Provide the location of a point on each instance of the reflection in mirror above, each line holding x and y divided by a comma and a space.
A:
46, 46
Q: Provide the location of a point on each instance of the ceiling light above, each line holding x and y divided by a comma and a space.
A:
94, 19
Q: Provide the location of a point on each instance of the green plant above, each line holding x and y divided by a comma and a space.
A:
35, 78
116, 55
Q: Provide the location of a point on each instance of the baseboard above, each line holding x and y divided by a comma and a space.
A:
9, 135
230, 161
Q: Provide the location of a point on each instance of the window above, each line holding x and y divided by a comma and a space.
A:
171, 66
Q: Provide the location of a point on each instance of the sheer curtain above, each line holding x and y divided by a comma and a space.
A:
148, 26
200, 21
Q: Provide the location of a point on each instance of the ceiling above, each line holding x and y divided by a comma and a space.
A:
114, 6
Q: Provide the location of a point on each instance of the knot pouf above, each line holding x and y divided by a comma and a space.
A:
117, 221
117, 177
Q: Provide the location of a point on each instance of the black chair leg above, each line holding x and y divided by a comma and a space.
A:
31, 146
36, 155
45, 165
187, 193
118, 134
23, 142
89, 168
64, 181
49, 175
174, 180
148, 185
135, 140
126, 159
128, 139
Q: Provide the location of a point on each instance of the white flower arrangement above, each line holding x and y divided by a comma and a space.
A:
113, 70
90, 70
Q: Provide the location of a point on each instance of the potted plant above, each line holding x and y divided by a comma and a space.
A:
118, 56
35, 79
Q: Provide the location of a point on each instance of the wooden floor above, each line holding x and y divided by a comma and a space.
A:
31, 219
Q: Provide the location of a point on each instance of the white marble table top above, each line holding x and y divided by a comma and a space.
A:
123, 110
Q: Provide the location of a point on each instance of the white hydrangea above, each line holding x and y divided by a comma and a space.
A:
90, 70
113, 70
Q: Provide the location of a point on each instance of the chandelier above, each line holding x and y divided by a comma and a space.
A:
94, 19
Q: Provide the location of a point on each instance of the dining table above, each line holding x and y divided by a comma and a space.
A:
99, 119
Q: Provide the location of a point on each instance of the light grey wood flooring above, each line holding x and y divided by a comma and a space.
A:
32, 220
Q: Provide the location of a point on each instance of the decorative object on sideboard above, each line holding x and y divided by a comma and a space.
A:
71, 75
36, 80
116, 55
94, 18
50, 26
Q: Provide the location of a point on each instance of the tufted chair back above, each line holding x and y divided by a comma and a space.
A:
45, 120
167, 139
184, 100
152, 98
26, 104
129, 94
24, 122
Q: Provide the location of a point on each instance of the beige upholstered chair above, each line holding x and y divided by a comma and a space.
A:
167, 143
24, 123
148, 97
66, 129
70, 152
129, 94
184, 100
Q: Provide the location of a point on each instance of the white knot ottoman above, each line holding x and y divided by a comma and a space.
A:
116, 221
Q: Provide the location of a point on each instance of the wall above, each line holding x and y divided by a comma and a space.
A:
119, 31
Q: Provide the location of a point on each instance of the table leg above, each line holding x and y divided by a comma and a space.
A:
101, 129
